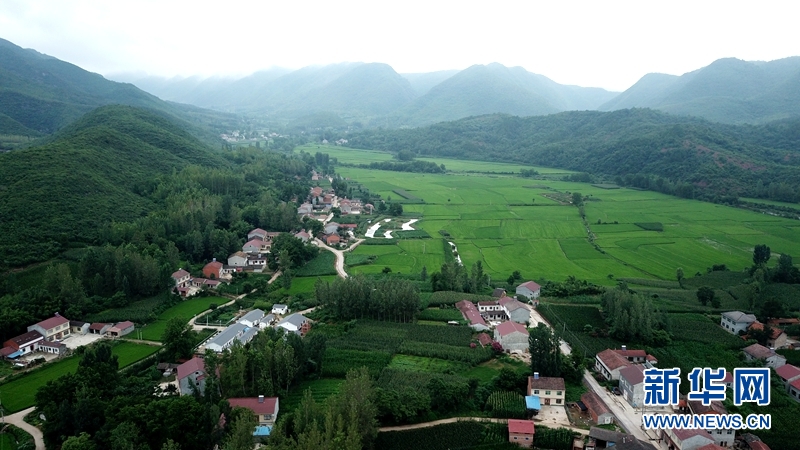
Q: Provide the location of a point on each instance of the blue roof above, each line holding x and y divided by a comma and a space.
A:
262, 430
532, 402
16, 354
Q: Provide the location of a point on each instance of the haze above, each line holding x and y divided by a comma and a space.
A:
602, 44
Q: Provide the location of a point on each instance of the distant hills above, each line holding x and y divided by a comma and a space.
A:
702, 158
40, 94
375, 95
89, 174
728, 90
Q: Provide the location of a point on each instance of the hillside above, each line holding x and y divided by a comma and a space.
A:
699, 157
40, 94
728, 90
87, 175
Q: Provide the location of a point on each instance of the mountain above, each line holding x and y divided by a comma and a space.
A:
693, 157
40, 94
377, 95
421, 83
495, 88
728, 90
89, 173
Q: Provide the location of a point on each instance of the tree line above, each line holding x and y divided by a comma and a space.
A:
359, 297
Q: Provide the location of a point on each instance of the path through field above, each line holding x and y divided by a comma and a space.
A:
16, 419
339, 255
456, 419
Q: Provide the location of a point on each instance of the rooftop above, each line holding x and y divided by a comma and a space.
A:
191, 366
520, 426
532, 285
758, 351
612, 359
253, 316
787, 371
227, 335
259, 405
633, 374
295, 319
547, 383
53, 322
26, 338
738, 316
594, 403
178, 274
686, 433
506, 328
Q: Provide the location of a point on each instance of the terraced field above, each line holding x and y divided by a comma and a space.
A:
512, 223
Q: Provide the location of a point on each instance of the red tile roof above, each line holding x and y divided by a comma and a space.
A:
686, 433
758, 445
521, 426
257, 230
5, 351
470, 313
179, 274
632, 353
216, 265
612, 359
506, 328
484, 339
758, 351
252, 403
716, 407
189, 367
594, 403
253, 242
774, 332
27, 338
53, 322
124, 325
787, 371
795, 384
533, 286
97, 326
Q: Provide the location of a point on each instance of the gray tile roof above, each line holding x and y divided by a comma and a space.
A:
253, 316
227, 335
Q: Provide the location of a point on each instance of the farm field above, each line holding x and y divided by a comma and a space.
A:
24, 388
407, 256
320, 390
185, 310
512, 223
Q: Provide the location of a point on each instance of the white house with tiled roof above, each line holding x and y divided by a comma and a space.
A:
758, 351
736, 321
56, 327
529, 289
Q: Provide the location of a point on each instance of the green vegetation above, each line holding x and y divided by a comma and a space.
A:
25, 386
185, 310
322, 264
463, 434
443, 315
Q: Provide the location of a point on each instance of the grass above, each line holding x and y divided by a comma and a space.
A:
424, 364
323, 264
550, 241
185, 310
7, 442
24, 388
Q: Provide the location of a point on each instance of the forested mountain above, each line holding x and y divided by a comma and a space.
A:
376, 95
40, 94
92, 172
728, 90
646, 148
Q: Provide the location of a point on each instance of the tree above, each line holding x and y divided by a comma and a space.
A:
705, 295
577, 199
772, 309
423, 275
241, 433
178, 339
396, 209
679, 276
761, 254
545, 352
81, 442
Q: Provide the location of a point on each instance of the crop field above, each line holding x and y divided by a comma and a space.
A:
185, 310
24, 388
509, 224
424, 364
320, 391
407, 256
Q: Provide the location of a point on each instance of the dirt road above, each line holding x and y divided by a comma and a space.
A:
456, 419
16, 419
339, 255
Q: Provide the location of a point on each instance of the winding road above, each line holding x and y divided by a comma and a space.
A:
339, 255
17, 419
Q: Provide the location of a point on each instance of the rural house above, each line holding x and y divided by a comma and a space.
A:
499, 293
54, 328
596, 408
215, 270
777, 338
512, 336
794, 390
238, 259
280, 309
551, 390
305, 208
758, 351
631, 384
99, 328
529, 290
736, 322
181, 278
471, 314
303, 236
296, 323
56, 348
515, 309
23, 344
332, 239
257, 233
254, 246
723, 437
120, 329
79, 327
252, 318
787, 373
602, 438
686, 439
264, 408
492, 311
752, 442
608, 363
226, 337
191, 373
521, 432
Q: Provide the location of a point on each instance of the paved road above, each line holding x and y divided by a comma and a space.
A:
16, 419
339, 255
456, 419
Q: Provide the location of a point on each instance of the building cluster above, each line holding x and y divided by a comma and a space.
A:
508, 316
320, 202
48, 336
247, 326
741, 324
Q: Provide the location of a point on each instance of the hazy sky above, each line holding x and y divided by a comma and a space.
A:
608, 44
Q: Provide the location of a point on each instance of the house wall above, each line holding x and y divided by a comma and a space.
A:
733, 327
723, 438
555, 397
794, 393
514, 341
527, 293
603, 370
521, 439
634, 394
185, 384
779, 342
520, 315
